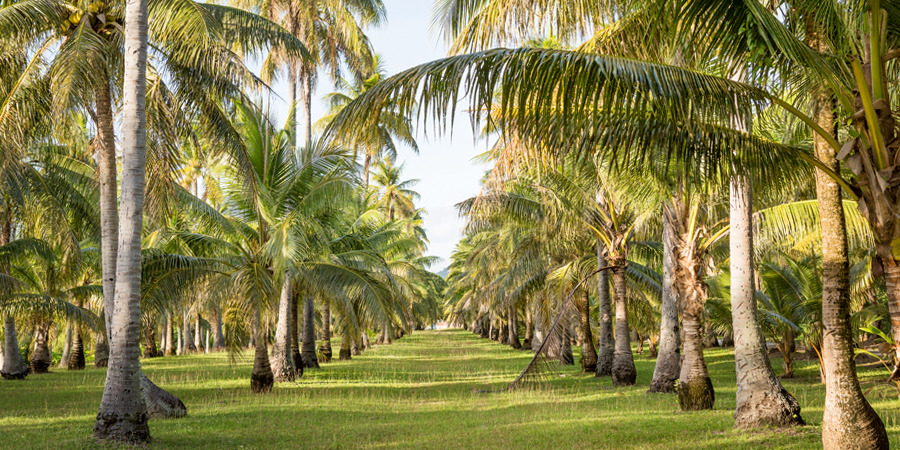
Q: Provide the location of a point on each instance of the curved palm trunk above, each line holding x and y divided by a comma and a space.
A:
261, 379
14, 367
514, 329
123, 411
761, 400
668, 361
308, 354
588, 354
623, 370
67, 347
282, 360
606, 345
326, 331
849, 422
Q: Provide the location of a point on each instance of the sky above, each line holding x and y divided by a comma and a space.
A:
444, 166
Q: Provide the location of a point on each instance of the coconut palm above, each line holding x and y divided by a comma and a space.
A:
396, 197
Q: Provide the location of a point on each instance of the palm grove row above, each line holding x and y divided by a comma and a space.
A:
239, 234
630, 145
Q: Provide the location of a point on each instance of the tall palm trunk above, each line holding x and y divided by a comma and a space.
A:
623, 370
218, 336
606, 345
326, 331
187, 336
198, 344
514, 329
123, 411
849, 422
67, 347
14, 367
695, 389
308, 353
261, 379
761, 400
282, 360
588, 354
170, 336
668, 361
101, 349
296, 337
106, 168
150, 349
305, 104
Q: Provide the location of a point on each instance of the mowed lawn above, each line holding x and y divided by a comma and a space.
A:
416, 394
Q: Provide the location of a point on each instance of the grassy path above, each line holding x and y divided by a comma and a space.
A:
415, 394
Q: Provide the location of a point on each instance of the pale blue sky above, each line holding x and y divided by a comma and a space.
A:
445, 169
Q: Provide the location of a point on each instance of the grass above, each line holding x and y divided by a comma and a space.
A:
417, 393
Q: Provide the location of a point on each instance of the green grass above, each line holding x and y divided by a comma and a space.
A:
417, 393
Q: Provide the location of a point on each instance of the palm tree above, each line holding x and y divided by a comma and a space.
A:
380, 140
396, 197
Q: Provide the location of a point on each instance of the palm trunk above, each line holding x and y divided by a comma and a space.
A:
106, 167
123, 412
529, 328
76, 354
305, 104
849, 422
14, 367
504, 331
761, 400
40, 357
514, 329
67, 347
218, 337
197, 332
308, 354
623, 370
606, 345
101, 349
695, 389
295, 334
282, 360
150, 350
261, 379
187, 336
346, 339
668, 361
170, 337
366, 165
326, 331
588, 354
565, 356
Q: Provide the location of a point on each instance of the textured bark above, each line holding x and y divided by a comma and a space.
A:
261, 379
504, 331
529, 328
40, 356
588, 354
668, 361
282, 360
104, 144
305, 105
150, 350
695, 389
187, 339
161, 404
67, 347
76, 354
623, 370
123, 412
761, 400
566, 358
308, 353
514, 329
606, 345
326, 331
14, 367
296, 329
101, 350
849, 422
